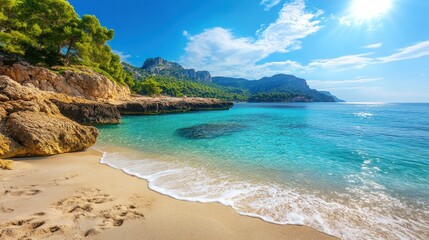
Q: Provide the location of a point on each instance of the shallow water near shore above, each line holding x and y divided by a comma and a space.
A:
356, 171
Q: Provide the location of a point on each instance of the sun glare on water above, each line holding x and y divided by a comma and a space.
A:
368, 9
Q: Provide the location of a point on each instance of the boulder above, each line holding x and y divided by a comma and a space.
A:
31, 125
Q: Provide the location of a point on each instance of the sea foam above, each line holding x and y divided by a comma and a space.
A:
359, 214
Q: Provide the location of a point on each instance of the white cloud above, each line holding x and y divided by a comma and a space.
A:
124, 57
222, 53
349, 21
345, 21
331, 84
374, 46
420, 49
219, 47
269, 69
292, 25
268, 4
185, 33
349, 61
417, 50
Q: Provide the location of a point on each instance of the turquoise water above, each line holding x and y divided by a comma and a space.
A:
356, 171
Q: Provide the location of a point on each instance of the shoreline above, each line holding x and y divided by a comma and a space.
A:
73, 195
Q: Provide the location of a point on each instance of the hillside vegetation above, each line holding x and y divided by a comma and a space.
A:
278, 88
178, 87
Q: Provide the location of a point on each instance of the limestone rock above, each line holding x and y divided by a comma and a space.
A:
80, 82
89, 113
203, 76
160, 66
4, 144
31, 125
160, 105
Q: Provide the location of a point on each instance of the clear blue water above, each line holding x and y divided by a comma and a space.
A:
357, 171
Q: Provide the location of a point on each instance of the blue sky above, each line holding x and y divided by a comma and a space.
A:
360, 50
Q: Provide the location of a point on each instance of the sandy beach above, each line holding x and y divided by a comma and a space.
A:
73, 196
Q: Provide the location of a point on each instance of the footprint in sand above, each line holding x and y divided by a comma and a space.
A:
59, 181
6, 209
14, 191
142, 202
99, 208
84, 214
27, 228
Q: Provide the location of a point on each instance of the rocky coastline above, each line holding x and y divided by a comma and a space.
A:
139, 105
31, 125
43, 112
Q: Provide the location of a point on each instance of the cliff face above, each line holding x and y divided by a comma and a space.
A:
163, 67
83, 83
31, 125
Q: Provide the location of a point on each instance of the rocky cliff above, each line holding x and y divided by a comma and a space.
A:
78, 82
79, 95
31, 125
163, 67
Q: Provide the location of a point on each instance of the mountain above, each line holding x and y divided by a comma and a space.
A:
162, 67
172, 85
178, 81
330, 94
280, 83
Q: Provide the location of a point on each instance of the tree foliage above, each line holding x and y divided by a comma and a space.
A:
150, 87
178, 88
50, 32
277, 97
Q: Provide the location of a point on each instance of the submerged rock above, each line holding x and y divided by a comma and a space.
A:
31, 125
208, 131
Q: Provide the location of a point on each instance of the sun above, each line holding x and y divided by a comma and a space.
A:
369, 9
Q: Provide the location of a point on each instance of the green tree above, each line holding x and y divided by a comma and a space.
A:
92, 48
56, 19
151, 87
12, 37
50, 32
